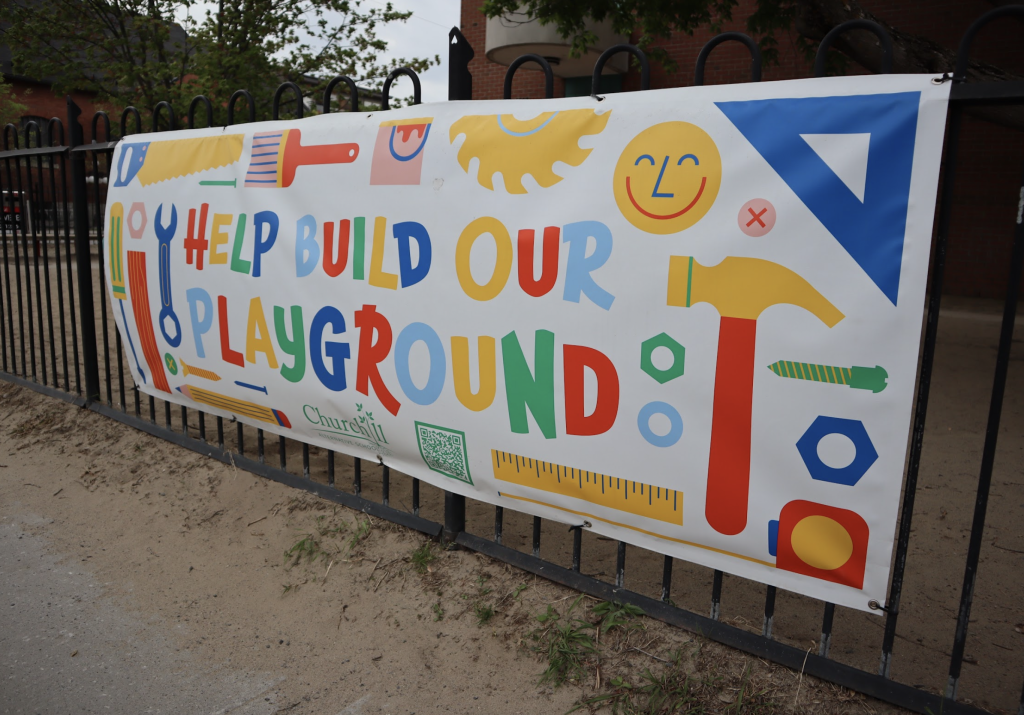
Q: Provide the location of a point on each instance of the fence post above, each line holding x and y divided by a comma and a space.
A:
83, 255
460, 86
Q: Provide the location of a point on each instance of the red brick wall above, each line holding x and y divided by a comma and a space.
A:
990, 159
42, 102
488, 77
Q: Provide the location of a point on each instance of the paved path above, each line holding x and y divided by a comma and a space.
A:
65, 649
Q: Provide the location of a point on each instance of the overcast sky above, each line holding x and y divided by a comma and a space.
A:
425, 34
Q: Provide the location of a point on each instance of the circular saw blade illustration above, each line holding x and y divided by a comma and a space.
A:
513, 148
157, 161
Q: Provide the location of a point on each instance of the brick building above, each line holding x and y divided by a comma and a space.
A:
991, 156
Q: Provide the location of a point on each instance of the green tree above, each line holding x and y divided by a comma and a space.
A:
140, 52
805, 21
10, 110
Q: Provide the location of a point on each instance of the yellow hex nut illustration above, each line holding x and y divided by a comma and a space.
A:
667, 177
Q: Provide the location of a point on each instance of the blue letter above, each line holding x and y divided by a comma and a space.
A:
579, 266
306, 245
195, 296
337, 352
263, 218
403, 232
438, 364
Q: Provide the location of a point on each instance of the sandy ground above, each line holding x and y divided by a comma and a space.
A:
140, 577
994, 659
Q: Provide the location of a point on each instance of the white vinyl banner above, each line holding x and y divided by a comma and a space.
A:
687, 319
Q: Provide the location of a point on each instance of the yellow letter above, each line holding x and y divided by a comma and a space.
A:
218, 238
460, 369
502, 264
377, 275
258, 343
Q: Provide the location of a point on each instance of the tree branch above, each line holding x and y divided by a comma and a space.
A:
912, 54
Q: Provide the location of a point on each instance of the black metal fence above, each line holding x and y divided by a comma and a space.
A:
55, 337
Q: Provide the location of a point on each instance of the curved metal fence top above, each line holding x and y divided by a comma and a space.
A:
835, 32
963, 53
645, 66
133, 112
705, 51
549, 77
386, 93
200, 99
353, 105
250, 104
300, 107
172, 120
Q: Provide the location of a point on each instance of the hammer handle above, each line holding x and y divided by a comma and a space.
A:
729, 467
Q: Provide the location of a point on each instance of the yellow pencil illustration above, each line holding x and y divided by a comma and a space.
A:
242, 408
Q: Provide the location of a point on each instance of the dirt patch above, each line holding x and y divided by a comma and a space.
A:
247, 574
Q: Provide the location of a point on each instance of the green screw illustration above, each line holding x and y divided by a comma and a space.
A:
859, 378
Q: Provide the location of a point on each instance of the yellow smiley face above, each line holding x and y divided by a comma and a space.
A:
668, 177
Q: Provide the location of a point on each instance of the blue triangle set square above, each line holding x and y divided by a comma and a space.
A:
872, 230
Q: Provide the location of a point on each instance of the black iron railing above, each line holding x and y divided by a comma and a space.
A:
55, 332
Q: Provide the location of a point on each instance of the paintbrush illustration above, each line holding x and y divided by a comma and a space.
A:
276, 156
158, 161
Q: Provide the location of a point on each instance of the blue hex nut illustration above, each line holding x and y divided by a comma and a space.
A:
849, 475
662, 340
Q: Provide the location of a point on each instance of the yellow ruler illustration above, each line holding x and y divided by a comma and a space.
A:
611, 492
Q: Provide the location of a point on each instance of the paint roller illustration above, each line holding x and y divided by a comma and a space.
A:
159, 161
243, 408
740, 289
277, 155
820, 541
164, 236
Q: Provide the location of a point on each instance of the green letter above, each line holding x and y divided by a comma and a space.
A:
296, 348
359, 249
522, 389
237, 264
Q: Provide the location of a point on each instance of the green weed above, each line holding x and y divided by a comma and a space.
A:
617, 615
307, 547
327, 528
361, 532
669, 692
484, 614
422, 557
567, 645
438, 612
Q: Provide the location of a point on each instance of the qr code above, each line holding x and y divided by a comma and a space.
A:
444, 451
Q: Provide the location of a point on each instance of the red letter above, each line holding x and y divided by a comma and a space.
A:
548, 263
226, 353
196, 245
574, 359
372, 353
331, 267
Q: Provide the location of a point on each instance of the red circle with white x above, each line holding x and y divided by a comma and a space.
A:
757, 217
